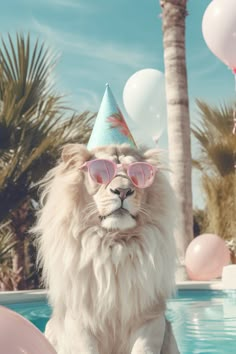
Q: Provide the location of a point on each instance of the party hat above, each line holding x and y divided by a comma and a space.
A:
110, 126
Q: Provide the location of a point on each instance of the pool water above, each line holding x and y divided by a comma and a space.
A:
204, 321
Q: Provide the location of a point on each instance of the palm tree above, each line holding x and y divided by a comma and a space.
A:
174, 13
34, 123
216, 162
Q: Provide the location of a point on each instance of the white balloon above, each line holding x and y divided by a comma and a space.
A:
219, 30
144, 100
142, 138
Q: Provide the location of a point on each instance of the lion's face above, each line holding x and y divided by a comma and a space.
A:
118, 202
118, 205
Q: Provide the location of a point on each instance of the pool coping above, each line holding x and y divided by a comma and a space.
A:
7, 297
200, 285
10, 297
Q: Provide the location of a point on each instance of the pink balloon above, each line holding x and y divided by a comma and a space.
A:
19, 336
206, 256
219, 30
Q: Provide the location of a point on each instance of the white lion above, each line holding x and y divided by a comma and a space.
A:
108, 254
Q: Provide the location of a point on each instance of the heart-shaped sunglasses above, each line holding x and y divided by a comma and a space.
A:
103, 171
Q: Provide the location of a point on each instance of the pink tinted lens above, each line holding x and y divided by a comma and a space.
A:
101, 171
141, 174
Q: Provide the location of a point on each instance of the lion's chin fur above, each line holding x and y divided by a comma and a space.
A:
118, 222
109, 277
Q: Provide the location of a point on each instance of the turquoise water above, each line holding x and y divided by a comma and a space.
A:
203, 321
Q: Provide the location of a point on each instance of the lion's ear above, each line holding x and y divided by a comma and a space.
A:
75, 153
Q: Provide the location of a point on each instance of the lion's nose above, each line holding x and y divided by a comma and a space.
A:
123, 193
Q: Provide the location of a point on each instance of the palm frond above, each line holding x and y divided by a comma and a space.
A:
215, 160
6, 242
216, 142
27, 69
220, 204
34, 122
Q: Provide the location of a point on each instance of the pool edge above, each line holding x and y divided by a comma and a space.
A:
7, 297
200, 285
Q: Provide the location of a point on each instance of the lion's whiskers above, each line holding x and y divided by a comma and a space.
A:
89, 206
143, 211
89, 212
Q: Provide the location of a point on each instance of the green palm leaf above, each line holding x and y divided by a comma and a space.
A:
216, 142
34, 121
215, 160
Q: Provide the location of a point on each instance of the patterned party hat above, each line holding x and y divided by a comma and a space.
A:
110, 126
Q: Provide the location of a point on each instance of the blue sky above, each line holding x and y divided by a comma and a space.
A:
108, 41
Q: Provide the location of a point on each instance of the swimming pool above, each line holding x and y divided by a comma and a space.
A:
204, 321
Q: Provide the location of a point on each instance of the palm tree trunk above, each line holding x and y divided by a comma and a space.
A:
18, 261
19, 225
174, 13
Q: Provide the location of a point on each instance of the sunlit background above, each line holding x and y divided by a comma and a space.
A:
108, 41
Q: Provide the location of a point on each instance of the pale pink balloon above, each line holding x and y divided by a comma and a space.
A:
19, 336
219, 30
206, 256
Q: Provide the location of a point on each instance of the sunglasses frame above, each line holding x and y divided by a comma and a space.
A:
119, 166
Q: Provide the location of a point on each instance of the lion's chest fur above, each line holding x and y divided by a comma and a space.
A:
116, 278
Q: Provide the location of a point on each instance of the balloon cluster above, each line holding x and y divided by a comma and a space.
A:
144, 92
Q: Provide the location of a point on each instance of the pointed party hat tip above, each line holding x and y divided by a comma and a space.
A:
110, 126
